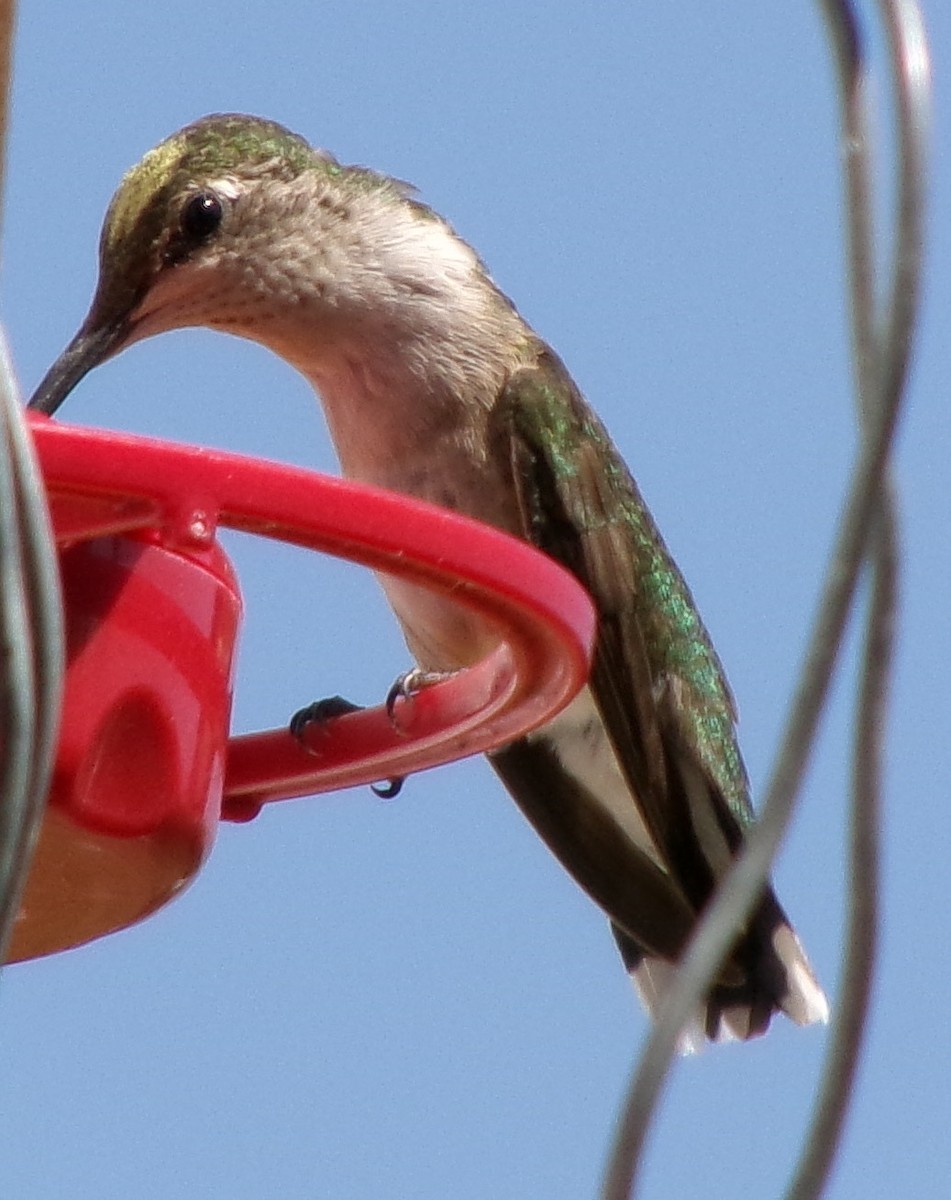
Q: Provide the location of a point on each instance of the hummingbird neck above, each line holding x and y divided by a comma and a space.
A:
403, 334
392, 399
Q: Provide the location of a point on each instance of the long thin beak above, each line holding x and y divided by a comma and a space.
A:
88, 349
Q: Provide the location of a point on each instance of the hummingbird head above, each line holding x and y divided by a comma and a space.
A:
238, 224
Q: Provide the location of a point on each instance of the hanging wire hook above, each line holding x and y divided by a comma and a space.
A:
866, 530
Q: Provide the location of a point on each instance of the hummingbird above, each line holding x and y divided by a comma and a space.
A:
433, 385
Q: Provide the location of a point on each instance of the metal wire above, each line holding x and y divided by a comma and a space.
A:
866, 531
31, 636
881, 356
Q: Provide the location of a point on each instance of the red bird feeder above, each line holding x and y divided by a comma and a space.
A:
145, 767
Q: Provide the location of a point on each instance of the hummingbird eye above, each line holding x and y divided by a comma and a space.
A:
201, 216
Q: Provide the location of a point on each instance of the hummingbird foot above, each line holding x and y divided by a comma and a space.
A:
328, 710
320, 711
407, 685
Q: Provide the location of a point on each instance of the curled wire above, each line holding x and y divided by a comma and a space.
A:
31, 662
881, 356
866, 532
31, 634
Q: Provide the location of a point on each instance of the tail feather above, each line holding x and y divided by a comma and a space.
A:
777, 978
766, 970
804, 1001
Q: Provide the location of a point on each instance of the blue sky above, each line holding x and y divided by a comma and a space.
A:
410, 999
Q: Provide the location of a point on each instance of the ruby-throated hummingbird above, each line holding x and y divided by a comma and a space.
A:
433, 385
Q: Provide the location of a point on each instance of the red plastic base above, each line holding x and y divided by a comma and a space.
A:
144, 765
137, 782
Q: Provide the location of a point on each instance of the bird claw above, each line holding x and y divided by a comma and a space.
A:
328, 710
320, 711
389, 790
406, 686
